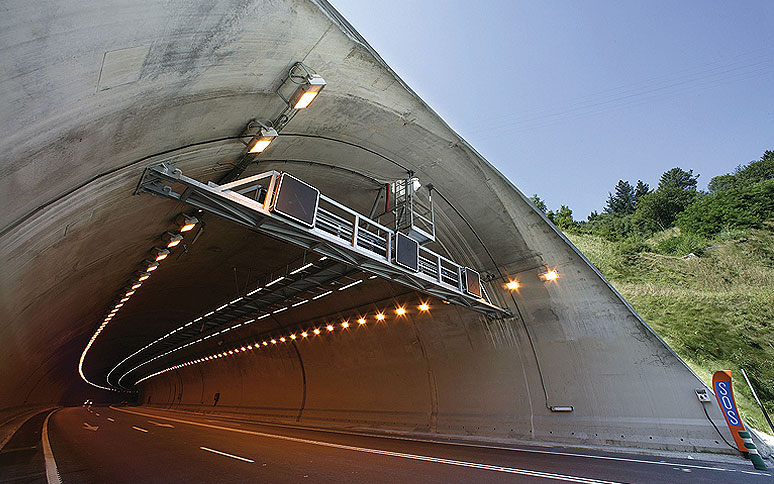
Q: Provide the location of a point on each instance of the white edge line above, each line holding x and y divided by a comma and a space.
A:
569, 454
226, 454
52, 473
509, 470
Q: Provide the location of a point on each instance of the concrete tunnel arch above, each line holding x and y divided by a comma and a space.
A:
90, 103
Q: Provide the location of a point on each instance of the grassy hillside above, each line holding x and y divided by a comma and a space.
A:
715, 309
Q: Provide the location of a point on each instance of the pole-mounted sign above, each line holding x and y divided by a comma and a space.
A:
721, 382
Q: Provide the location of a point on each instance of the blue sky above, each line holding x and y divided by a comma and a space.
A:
567, 97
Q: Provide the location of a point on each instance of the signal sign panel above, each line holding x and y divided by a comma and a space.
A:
406, 252
297, 200
471, 282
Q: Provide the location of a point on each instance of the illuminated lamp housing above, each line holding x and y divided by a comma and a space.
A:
142, 276
186, 222
307, 92
150, 265
171, 240
159, 254
262, 140
512, 285
550, 276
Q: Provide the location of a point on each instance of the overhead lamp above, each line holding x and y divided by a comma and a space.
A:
186, 222
274, 341
124, 299
316, 330
283, 339
136, 285
329, 327
171, 239
160, 254
345, 324
292, 336
151, 266
361, 321
142, 276
512, 285
262, 140
129, 293
400, 311
550, 275
380, 317
424, 307
309, 86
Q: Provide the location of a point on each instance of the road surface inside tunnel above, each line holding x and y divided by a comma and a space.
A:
139, 444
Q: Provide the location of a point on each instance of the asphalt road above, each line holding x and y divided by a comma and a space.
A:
132, 445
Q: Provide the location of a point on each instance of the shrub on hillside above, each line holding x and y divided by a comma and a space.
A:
747, 207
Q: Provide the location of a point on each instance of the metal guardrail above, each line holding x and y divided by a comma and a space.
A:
337, 231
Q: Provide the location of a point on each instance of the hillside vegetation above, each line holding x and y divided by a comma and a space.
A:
697, 266
715, 310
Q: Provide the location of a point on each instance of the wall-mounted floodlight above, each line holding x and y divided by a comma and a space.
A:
142, 276
171, 239
262, 140
160, 254
549, 276
308, 91
186, 222
150, 266
512, 285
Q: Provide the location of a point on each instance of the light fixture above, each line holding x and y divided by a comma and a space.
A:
361, 321
124, 299
380, 317
316, 330
329, 327
292, 336
186, 222
129, 293
424, 307
512, 285
265, 343
345, 324
400, 311
310, 85
136, 285
304, 334
282, 339
262, 140
151, 266
274, 341
171, 239
550, 275
160, 254
141, 276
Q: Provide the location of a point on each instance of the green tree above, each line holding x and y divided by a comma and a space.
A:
563, 218
657, 210
641, 189
539, 203
745, 175
623, 201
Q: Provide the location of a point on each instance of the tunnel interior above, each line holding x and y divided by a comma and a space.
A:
98, 99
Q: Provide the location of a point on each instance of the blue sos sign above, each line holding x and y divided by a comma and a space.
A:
721, 382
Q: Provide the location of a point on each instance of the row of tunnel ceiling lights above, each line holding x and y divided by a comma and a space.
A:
379, 317
512, 285
362, 321
185, 223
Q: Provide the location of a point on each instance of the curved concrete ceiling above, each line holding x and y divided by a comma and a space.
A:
92, 94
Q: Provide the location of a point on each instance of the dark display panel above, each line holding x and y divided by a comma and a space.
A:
296, 200
407, 252
471, 282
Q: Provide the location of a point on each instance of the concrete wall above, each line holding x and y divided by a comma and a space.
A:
92, 93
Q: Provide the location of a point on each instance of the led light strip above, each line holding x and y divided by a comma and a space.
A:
171, 240
400, 311
224, 306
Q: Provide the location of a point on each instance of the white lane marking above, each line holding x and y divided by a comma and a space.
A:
158, 424
139, 428
93, 428
226, 454
509, 470
111, 419
511, 449
52, 473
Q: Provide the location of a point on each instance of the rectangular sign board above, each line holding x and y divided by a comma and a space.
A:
296, 200
406, 252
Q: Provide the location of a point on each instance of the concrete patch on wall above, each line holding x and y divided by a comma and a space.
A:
121, 66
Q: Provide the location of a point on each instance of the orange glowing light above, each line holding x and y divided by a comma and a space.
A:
380, 317
329, 327
345, 324
361, 321
400, 311
424, 307
512, 285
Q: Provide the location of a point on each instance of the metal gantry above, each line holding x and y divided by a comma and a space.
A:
337, 231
